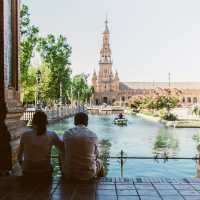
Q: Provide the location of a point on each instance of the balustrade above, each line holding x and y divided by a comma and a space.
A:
54, 113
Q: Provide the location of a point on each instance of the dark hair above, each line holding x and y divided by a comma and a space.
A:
81, 118
40, 121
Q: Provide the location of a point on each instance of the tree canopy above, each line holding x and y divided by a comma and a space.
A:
56, 53
29, 38
81, 90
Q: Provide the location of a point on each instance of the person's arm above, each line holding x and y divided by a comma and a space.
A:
58, 143
21, 150
96, 151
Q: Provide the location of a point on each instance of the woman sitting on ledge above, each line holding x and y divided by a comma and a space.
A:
35, 148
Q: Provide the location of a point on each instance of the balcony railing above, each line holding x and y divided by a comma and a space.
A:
122, 158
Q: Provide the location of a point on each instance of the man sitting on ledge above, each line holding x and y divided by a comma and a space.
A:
80, 159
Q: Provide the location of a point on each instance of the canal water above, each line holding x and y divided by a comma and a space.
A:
142, 138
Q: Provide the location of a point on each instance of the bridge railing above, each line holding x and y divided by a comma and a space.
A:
54, 113
27, 115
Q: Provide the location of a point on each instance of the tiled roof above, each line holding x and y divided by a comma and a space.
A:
152, 85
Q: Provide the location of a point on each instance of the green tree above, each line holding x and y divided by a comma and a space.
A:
29, 38
56, 53
137, 104
29, 89
196, 110
167, 102
81, 90
44, 85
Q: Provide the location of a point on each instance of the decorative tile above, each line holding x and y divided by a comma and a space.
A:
147, 192
167, 192
106, 192
196, 186
150, 198
144, 186
123, 186
127, 192
106, 197
183, 186
189, 193
106, 187
128, 198
191, 197
163, 186
172, 198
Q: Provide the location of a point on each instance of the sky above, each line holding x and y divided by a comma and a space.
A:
148, 38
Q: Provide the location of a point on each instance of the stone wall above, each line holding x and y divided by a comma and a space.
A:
11, 70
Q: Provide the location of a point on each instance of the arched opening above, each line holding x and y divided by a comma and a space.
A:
123, 98
183, 100
189, 99
97, 101
194, 99
105, 100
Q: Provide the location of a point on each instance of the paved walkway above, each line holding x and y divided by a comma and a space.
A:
12, 188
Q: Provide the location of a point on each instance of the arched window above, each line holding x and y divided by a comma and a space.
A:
105, 100
189, 99
194, 99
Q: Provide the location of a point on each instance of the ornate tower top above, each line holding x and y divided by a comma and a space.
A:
94, 76
105, 53
106, 27
116, 76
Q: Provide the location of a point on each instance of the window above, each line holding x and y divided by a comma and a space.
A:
189, 99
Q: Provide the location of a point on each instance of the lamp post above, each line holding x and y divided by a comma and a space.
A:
61, 93
38, 79
169, 80
78, 101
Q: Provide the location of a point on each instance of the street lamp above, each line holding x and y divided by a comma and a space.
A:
38, 79
61, 93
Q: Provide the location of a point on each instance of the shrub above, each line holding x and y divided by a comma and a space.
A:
169, 117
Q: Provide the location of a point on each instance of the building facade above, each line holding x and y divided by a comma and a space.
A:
10, 105
108, 88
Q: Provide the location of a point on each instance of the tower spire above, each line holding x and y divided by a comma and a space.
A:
105, 53
106, 25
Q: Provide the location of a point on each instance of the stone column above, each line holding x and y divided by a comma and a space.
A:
5, 148
10, 56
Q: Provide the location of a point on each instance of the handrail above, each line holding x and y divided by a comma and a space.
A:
122, 158
146, 158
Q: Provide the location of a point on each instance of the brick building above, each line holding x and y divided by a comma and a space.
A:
9, 78
109, 89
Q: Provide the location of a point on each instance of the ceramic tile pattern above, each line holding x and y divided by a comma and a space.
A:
13, 188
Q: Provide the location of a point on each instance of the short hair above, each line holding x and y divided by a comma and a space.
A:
81, 118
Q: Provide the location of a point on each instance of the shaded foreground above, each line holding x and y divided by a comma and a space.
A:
103, 189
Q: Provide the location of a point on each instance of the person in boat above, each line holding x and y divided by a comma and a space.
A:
120, 116
81, 151
35, 149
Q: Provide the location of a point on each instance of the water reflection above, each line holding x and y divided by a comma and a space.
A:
196, 138
104, 153
141, 138
165, 143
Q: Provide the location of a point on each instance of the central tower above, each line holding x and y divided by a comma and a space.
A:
105, 62
105, 83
